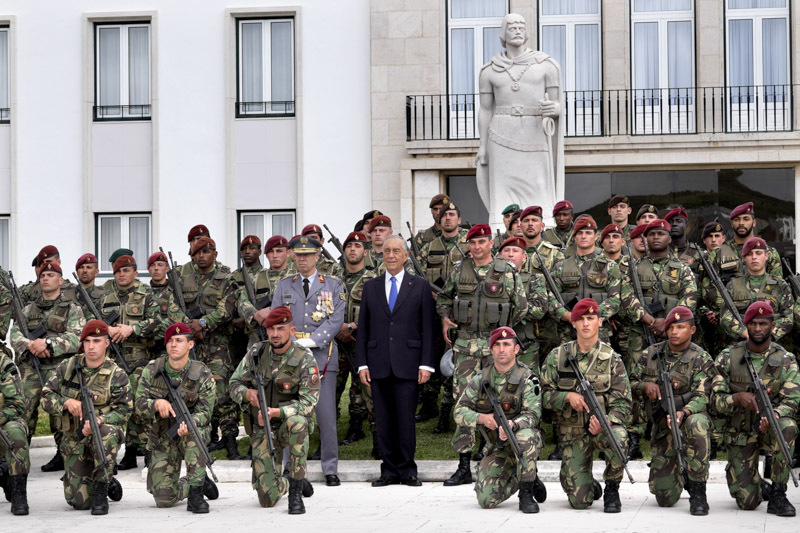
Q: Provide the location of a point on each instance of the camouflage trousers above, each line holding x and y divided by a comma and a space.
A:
469, 356
17, 432
360, 396
163, 475
637, 423
226, 413
292, 434
136, 432
32, 390
666, 480
499, 472
576, 463
81, 468
744, 481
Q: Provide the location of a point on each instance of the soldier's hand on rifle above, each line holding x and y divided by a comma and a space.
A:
163, 408
652, 391
183, 430
488, 421
238, 323
197, 329
87, 428
38, 347
501, 432
344, 334
577, 402
120, 333
252, 397
658, 327
680, 415
711, 316
73, 406
763, 426
261, 315
446, 325
746, 400
594, 425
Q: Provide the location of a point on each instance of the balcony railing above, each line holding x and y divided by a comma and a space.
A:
746, 109
121, 112
284, 108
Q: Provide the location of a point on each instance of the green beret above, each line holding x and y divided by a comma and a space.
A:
119, 253
511, 208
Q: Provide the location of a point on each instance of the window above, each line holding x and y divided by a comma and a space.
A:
122, 71
758, 65
570, 33
463, 190
265, 224
265, 67
663, 66
474, 37
5, 112
116, 231
5, 242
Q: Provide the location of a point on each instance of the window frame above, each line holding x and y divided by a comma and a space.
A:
290, 106
5, 112
124, 238
241, 213
7, 236
99, 115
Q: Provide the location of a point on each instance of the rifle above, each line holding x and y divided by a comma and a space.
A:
653, 308
721, 289
587, 391
418, 268
793, 281
251, 295
668, 404
174, 279
264, 408
109, 320
412, 241
765, 410
551, 284
336, 244
87, 413
22, 323
182, 414
9, 446
502, 421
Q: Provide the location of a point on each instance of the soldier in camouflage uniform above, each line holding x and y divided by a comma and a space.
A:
353, 275
516, 389
210, 297
32, 291
746, 435
500, 238
158, 266
691, 369
425, 236
580, 435
482, 294
63, 321
85, 478
757, 285
86, 269
379, 229
194, 381
619, 210
679, 247
646, 214
513, 251
561, 235
13, 474
712, 236
325, 265
197, 232
638, 242
291, 382
138, 322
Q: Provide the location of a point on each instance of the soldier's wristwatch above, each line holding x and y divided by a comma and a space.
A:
48, 341
203, 323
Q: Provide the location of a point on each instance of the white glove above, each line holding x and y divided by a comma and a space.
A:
307, 343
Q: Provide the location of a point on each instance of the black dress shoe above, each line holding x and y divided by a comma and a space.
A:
332, 480
412, 481
385, 481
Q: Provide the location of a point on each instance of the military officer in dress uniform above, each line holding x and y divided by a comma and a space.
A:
325, 265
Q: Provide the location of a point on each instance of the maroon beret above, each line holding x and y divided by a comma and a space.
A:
753, 243
354, 236
531, 210
611, 228
758, 309
202, 242
711, 227
679, 314
560, 206
638, 230
677, 212
178, 328
197, 231
311, 228
85, 259
439, 199
380, 220
51, 267
742, 210
280, 315
587, 306
646, 208
250, 239
503, 332
618, 199
46, 253
657, 224
584, 222
158, 256
479, 230
123, 261
94, 328
276, 241
514, 241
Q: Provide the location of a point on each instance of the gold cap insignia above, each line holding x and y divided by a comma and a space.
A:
651, 209
452, 206
591, 309
662, 224
304, 240
625, 200
178, 329
760, 310
677, 316
718, 228
446, 199
504, 334
355, 238
375, 214
97, 331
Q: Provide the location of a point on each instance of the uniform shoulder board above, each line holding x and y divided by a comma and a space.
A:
602, 259
320, 278
195, 370
220, 274
500, 264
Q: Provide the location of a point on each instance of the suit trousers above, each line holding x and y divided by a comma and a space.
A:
395, 403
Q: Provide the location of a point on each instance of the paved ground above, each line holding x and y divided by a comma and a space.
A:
355, 506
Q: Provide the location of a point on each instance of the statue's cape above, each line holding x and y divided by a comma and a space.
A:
501, 62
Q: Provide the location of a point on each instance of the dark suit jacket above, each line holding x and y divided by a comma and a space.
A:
396, 342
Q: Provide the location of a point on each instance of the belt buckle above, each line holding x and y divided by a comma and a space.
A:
516, 110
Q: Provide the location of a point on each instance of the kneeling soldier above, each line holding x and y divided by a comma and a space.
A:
195, 384
690, 372
515, 388
86, 477
12, 422
580, 434
290, 377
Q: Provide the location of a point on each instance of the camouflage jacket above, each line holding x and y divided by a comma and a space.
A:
666, 280
745, 290
558, 238
438, 256
12, 401
423, 237
588, 276
33, 291
214, 292
64, 322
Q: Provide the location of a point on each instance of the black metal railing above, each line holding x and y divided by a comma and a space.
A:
675, 111
121, 112
284, 108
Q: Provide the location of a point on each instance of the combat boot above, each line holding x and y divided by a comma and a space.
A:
5, 478
778, 504
478, 456
55, 464
597, 490
231, 448
462, 475
249, 455
526, 502
114, 490
19, 495
698, 504
443, 425
210, 489
539, 490
611, 503
766, 490
427, 411
634, 450
355, 432
100, 498
195, 502
296, 497
557, 454
215, 443
129, 459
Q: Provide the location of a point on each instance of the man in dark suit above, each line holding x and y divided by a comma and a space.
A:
394, 355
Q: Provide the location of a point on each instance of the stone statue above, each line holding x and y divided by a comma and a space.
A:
521, 155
